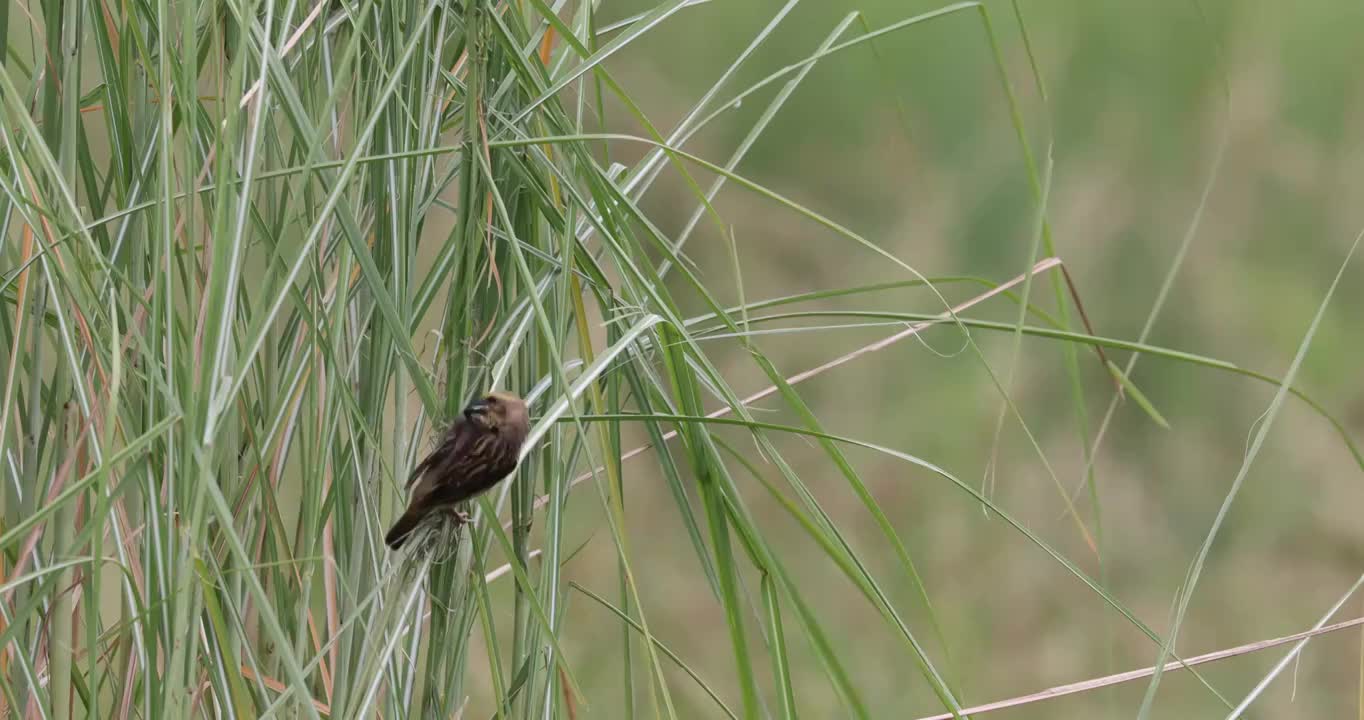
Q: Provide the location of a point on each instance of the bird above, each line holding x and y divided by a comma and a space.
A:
475, 453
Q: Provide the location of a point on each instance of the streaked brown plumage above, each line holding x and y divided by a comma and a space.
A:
476, 453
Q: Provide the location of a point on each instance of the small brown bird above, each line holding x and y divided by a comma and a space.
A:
476, 453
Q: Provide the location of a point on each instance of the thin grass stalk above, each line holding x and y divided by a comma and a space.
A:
1195, 571
61, 646
524, 654
687, 396
27, 489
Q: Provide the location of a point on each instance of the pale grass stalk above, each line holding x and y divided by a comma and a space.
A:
1107, 680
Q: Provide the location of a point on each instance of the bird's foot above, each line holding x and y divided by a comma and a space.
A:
462, 517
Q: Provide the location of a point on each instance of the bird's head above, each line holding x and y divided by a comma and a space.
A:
499, 412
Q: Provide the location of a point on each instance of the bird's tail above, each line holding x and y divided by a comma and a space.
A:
397, 535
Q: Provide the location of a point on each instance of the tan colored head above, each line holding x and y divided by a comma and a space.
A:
500, 412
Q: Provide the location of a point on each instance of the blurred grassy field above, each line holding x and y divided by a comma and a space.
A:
917, 152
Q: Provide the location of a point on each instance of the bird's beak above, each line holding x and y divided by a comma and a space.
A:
477, 407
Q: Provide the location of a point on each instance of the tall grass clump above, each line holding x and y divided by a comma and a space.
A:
255, 253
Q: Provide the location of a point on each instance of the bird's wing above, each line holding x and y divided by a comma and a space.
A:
479, 463
454, 443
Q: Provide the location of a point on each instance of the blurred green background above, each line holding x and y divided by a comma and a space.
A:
917, 152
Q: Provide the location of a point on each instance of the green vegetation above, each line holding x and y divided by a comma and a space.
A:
1077, 284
